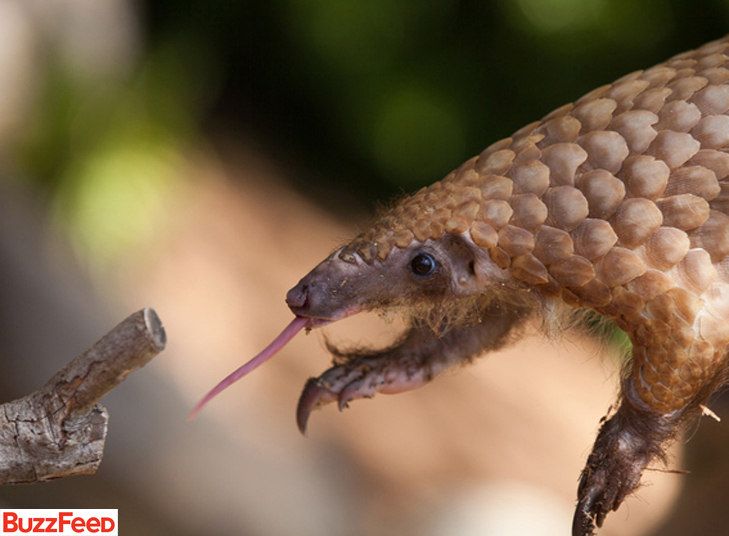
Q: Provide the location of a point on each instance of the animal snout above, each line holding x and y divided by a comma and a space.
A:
298, 298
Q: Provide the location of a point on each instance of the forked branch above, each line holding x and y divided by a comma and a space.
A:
59, 430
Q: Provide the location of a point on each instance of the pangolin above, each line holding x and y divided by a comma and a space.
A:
617, 203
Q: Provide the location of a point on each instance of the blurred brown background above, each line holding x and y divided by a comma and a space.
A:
200, 157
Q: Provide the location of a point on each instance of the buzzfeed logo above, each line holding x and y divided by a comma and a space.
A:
60, 522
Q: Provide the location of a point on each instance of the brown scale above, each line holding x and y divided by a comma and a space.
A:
642, 156
618, 203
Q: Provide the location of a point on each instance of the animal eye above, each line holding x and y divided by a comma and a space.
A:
423, 264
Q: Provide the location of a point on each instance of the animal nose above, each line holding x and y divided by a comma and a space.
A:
298, 297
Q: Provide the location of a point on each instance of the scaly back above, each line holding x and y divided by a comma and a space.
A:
617, 202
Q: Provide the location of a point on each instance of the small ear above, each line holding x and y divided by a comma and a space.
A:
471, 266
479, 272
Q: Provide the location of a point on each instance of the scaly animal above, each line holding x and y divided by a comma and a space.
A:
617, 203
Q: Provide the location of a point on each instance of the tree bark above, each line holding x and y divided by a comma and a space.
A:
59, 430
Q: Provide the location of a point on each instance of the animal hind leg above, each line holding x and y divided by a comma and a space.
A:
665, 387
627, 442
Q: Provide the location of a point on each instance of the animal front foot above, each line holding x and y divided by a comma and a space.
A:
362, 378
625, 445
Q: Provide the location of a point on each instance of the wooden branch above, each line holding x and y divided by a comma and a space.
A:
59, 430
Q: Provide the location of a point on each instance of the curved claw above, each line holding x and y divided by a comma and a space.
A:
583, 522
354, 390
625, 445
341, 384
362, 378
312, 397
601, 491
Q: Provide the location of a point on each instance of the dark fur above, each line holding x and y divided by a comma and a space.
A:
488, 328
627, 442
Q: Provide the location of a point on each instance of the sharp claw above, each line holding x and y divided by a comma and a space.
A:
584, 477
312, 397
349, 393
341, 384
362, 378
343, 403
610, 503
582, 522
614, 467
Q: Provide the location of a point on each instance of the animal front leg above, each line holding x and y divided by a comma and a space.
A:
418, 358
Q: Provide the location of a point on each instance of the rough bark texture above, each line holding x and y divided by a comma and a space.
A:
59, 430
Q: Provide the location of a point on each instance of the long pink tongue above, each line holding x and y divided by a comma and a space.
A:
296, 325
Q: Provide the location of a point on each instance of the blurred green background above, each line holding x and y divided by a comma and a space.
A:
363, 99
